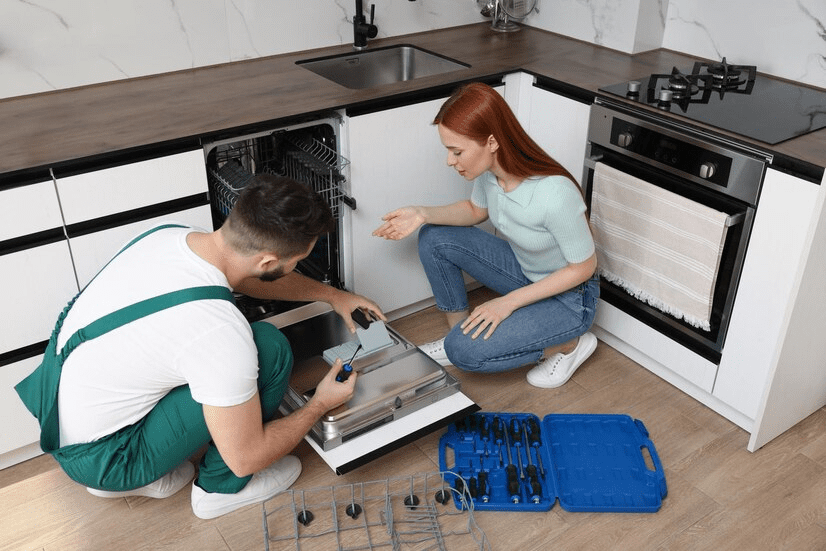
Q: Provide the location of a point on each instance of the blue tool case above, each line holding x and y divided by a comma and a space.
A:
517, 462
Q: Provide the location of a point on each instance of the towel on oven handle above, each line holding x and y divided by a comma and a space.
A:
662, 248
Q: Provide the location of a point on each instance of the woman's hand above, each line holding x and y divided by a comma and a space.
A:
400, 223
487, 316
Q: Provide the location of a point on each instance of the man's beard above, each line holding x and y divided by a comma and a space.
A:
272, 275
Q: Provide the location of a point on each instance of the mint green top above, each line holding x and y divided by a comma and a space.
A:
543, 219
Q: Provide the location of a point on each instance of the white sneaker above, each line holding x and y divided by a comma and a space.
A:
262, 486
436, 350
166, 486
555, 371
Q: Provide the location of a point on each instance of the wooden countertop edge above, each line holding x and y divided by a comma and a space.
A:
181, 108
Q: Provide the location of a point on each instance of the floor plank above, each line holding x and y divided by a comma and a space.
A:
720, 496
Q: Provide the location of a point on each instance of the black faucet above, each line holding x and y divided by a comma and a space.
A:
361, 29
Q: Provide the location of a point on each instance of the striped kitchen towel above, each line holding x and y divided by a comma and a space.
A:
662, 248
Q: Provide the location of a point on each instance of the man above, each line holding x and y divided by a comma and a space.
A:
152, 361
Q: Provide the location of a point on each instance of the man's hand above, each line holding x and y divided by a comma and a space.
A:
345, 303
329, 394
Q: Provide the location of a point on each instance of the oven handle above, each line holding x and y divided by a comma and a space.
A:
591, 162
731, 221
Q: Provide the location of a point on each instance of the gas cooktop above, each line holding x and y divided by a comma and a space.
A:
733, 98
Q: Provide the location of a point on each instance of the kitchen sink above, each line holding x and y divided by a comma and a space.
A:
387, 65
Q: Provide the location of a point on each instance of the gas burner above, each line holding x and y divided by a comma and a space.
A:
726, 77
679, 88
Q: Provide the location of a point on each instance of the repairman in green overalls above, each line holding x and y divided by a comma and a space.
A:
152, 361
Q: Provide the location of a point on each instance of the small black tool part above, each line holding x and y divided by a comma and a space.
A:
360, 318
305, 517
347, 368
510, 470
483, 487
412, 500
516, 438
344, 374
442, 496
353, 510
472, 487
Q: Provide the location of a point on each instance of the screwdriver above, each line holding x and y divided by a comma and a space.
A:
516, 437
347, 368
483, 486
513, 480
533, 478
536, 442
484, 429
497, 435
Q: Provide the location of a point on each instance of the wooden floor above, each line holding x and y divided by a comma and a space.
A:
720, 496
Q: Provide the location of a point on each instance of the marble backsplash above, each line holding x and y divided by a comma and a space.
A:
54, 44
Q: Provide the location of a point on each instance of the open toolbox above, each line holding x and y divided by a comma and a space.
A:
517, 462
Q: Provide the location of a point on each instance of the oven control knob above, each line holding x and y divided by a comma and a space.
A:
625, 139
707, 170
665, 96
634, 88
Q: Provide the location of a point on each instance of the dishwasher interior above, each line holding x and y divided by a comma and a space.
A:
401, 393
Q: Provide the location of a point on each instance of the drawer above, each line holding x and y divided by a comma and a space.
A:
123, 188
29, 209
37, 285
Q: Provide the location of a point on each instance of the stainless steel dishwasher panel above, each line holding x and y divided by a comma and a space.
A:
392, 382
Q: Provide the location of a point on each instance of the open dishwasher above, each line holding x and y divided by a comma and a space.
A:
401, 394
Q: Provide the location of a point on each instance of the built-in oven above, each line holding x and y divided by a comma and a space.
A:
652, 186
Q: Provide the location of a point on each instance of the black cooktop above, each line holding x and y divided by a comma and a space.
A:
732, 97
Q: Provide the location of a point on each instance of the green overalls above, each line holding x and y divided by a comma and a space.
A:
175, 429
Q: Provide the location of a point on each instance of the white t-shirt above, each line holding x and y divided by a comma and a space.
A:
114, 380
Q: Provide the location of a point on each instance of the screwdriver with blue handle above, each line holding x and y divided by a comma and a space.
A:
347, 368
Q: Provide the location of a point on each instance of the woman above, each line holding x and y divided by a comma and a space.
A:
543, 265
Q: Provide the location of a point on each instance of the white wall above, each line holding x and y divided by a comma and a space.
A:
53, 44
786, 38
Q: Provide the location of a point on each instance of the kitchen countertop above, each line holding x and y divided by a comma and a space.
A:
55, 128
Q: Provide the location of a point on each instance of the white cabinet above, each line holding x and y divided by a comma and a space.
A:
560, 126
122, 189
38, 280
21, 433
140, 184
397, 160
41, 270
774, 361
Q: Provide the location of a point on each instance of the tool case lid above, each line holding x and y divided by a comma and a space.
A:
603, 463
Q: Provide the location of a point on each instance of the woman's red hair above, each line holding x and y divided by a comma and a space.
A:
477, 111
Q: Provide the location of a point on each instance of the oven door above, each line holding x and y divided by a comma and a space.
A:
707, 342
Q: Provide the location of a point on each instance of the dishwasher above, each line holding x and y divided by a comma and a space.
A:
401, 394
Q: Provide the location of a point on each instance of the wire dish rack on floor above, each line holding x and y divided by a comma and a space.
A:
407, 513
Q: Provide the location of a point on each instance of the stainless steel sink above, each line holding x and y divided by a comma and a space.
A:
372, 68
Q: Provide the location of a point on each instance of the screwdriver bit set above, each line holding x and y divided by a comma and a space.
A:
519, 462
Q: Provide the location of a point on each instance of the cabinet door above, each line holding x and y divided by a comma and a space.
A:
397, 160
35, 265
29, 210
20, 428
128, 187
560, 126
92, 251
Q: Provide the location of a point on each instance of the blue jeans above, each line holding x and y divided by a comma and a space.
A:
447, 251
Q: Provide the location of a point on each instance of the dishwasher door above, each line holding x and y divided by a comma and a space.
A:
401, 394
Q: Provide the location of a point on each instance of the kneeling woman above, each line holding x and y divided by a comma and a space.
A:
543, 266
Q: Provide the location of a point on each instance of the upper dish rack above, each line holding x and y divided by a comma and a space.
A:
296, 155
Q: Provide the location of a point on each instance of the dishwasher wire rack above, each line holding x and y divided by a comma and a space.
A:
407, 513
300, 157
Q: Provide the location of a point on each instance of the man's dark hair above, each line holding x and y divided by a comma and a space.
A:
277, 214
